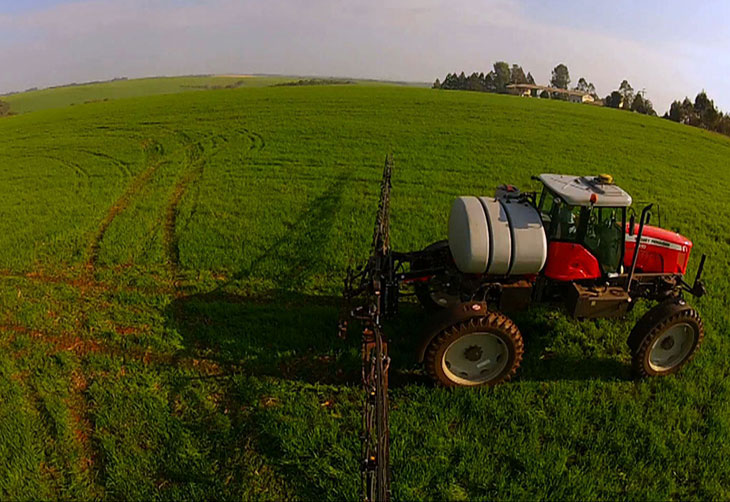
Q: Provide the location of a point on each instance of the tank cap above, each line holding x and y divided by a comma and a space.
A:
606, 179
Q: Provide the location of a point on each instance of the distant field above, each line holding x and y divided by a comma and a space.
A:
73, 95
170, 268
81, 94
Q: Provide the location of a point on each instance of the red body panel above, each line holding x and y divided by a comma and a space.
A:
662, 251
567, 261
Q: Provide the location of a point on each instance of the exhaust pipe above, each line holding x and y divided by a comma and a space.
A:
642, 222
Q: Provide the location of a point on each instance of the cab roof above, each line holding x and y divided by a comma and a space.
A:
578, 190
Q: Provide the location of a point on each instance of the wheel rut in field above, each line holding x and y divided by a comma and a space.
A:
77, 168
196, 158
155, 154
198, 155
120, 164
257, 141
83, 282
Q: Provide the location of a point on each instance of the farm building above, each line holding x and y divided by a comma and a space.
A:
528, 90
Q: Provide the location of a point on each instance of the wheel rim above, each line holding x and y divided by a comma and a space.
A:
475, 358
672, 347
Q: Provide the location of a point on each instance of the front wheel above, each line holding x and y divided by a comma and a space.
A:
665, 339
478, 351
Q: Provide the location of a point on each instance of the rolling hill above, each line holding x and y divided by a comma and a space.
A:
85, 93
170, 268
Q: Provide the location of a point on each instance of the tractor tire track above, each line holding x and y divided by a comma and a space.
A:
171, 242
155, 160
83, 283
198, 158
123, 166
77, 168
196, 161
257, 141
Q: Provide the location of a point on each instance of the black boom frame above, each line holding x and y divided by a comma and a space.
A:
371, 295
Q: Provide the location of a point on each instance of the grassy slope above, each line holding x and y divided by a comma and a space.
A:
167, 301
79, 94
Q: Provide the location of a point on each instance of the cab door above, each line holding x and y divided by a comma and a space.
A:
567, 259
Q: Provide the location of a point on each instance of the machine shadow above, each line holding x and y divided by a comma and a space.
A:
288, 336
541, 364
294, 337
560, 368
276, 366
289, 339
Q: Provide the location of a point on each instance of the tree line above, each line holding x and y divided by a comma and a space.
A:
624, 98
502, 75
496, 80
702, 113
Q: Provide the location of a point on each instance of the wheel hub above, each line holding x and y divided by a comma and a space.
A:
475, 358
473, 353
672, 347
667, 343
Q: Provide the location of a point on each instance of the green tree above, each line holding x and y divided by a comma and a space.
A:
723, 124
502, 75
688, 113
675, 112
530, 79
613, 100
490, 82
585, 86
436, 84
627, 94
560, 77
4, 109
473, 83
450, 82
517, 75
642, 105
705, 111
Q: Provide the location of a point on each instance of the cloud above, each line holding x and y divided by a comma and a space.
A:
397, 39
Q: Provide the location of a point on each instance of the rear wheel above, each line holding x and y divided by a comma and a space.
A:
478, 351
665, 339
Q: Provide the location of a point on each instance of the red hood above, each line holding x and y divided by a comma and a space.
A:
662, 234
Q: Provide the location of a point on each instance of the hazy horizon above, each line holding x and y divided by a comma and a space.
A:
671, 49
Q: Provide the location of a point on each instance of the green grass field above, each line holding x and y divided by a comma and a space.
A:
170, 268
73, 95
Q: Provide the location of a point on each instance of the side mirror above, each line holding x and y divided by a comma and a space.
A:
632, 224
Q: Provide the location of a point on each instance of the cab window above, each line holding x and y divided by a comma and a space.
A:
564, 222
605, 236
547, 203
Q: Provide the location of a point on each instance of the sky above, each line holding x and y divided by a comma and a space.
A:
669, 48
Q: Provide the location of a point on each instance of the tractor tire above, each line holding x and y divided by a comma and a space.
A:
484, 350
665, 339
432, 299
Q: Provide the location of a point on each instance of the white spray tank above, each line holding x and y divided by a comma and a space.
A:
500, 235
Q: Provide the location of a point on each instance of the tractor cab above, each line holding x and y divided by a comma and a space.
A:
584, 220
